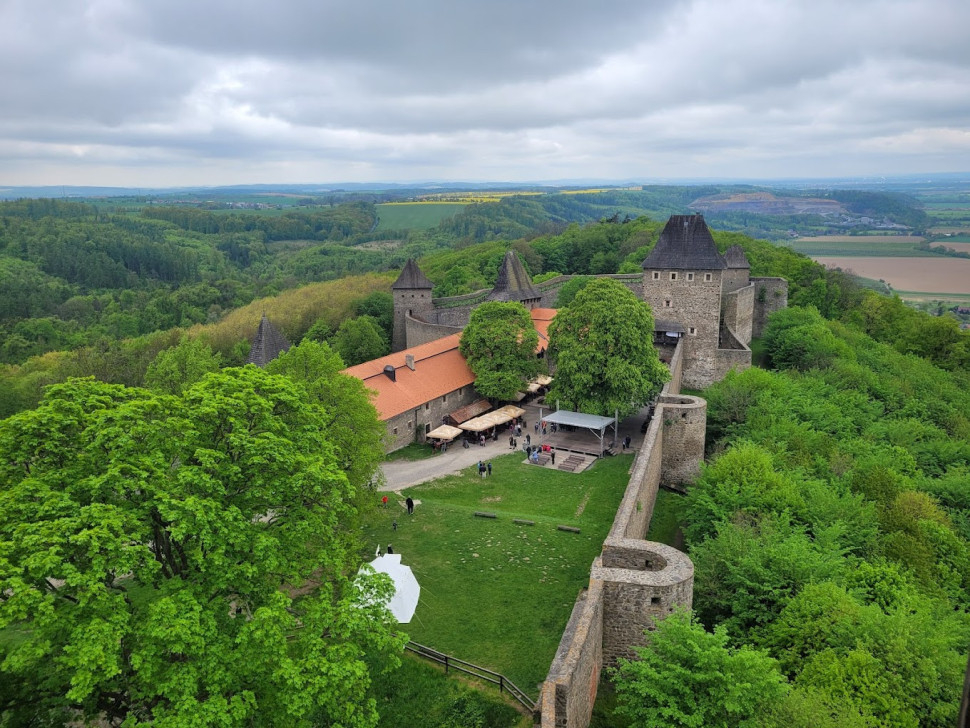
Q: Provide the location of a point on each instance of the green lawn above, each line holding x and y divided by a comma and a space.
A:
415, 215
492, 592
861, 248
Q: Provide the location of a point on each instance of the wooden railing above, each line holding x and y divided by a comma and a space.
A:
453, 663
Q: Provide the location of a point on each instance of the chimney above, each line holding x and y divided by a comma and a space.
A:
390, 372
409, 360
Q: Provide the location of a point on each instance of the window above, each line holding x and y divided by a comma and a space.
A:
655, 600
410, 424
395, 430
691, 330
427, 406
667, 303
656, 275
690, 276
673, 276
444, 398
427, 428
707, 277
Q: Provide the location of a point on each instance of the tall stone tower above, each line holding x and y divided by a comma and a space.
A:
412, 297
682, 282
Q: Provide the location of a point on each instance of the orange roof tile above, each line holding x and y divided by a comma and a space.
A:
541, 318
438, 370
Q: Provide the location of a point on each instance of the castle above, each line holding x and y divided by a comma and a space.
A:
696, 293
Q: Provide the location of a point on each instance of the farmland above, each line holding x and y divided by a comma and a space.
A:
931, 274
861, 245
415, 215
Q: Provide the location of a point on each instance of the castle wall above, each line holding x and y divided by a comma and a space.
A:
421, 332
770, 295
569, 691
728, 359
633, 582
737, 310
735, 278
408, 302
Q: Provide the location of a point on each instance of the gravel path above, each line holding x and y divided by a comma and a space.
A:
400, 474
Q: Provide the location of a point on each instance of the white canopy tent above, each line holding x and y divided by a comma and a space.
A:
596, 424
406, 588
443, 432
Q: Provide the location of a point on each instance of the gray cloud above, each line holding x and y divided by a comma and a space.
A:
146, 93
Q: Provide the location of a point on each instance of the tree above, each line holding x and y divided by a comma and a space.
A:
174, 370
360, 339
500, 345
352, 424
689, 677
380, 306
602, 344
152, 548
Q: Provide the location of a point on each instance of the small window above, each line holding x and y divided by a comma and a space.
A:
690, 276
691, 330
655, 600
410, 425
656, 275
444, 398
427, 428
427, 406
707, 277
667, 303
395, 430
673, 276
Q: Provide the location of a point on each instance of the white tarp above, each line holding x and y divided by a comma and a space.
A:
406, 588
443, 432
578, 419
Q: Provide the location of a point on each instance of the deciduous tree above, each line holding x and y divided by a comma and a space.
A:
602, 345
500, 345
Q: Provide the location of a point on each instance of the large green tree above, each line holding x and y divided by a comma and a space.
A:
184, 560
602, 345
500, 345
360, 339
690, 678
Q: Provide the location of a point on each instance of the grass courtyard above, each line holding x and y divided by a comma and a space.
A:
493, 592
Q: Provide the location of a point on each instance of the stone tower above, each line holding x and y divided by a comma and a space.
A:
514, 284
682, 282
412, 297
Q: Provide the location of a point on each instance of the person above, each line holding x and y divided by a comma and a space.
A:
390, 549
528, 439
481, 440
627, 441
384, 502
464, 443
536, 427
489, 466
481, 468
535, 456
552, 454
511, 442
410, 504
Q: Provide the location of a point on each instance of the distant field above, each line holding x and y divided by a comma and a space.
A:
883, 246
415, 215
919, 275
961, 245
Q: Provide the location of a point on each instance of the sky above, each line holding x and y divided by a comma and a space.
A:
143, 93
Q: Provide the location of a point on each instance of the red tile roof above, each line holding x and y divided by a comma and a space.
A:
438, 370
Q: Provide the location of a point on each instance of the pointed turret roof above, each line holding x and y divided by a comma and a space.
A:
412, 277
268, 344
513, 283
735, 257
685, 244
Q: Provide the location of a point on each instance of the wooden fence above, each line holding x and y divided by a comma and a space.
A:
453, 663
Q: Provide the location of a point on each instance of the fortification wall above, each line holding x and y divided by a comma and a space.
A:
569, 692
421, 332
728, 359
770, 295
737, 310
633, 582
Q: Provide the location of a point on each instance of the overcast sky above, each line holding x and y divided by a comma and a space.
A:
211, 92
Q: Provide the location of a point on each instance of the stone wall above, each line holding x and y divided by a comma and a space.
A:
728, 359
737, 309
633, 582
770, 294
569, 692
422, 332
408, 302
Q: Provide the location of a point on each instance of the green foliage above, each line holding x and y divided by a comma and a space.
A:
569, 289
603, 350
149, 545
692, 678
360, 339
174, 370
500, 345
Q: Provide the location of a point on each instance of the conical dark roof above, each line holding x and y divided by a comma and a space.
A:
412, 277
513, 283
735, 257
685, 244
268, 344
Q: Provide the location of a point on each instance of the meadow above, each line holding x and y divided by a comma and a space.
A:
868, 245
415, 215
494, 592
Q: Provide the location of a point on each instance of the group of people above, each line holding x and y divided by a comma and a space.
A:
484, 469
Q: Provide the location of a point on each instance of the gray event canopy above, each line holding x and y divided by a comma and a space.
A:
596, 424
